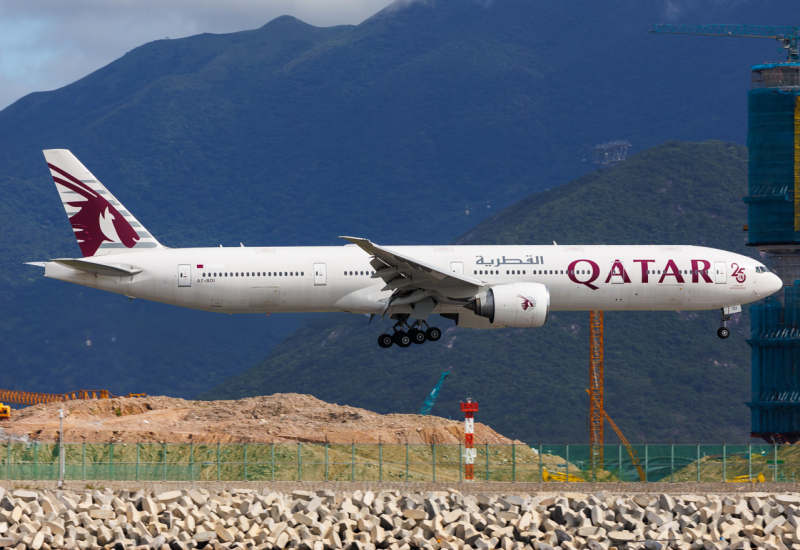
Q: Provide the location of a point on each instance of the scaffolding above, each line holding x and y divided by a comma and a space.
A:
775, 347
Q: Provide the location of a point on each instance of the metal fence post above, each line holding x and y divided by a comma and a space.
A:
513, 462
434, 461
567, 453
137, 462
326, 460
774, 470
619, 448
35, 462
84, 461
698, 463
299, 463
8, 460
191, 461
724, 463
646, 460
672, 463
487, 462
218, 462
111, 461
750, 463
272, 460
165, 461
406, 460
245, 461
460, 465
380, 461
540, 463
353, 458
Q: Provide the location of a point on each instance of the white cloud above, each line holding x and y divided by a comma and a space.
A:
46, 44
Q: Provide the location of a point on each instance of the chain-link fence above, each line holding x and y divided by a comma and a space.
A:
414, 463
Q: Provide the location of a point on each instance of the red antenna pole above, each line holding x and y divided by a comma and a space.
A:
469, 409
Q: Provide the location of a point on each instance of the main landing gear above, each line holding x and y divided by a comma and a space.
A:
415, 334
724, 331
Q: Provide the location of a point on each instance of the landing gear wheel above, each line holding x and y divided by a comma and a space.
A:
385, 340
433, 334
417, 336
401, 339
723, 332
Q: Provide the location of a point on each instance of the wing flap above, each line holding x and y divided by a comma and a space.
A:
398, 263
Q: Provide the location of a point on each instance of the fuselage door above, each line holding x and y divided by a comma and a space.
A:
457, 268
320, 275
184, 275
720, 273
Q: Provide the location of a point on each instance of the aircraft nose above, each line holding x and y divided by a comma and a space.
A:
774, 284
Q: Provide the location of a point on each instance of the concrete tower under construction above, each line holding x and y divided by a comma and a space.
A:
773, 201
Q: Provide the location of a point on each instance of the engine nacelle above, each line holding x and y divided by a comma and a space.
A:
514, 305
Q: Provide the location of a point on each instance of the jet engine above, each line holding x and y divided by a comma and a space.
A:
513, 305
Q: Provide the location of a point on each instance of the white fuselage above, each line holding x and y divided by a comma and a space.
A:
319, 279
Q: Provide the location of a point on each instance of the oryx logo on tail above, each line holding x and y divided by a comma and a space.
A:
97, 218
97, 221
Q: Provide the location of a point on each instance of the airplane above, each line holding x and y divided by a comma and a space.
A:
480, 287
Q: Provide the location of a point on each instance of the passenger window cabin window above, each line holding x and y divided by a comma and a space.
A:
523, 272
302, 273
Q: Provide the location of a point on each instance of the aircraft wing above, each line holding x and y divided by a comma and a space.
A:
402, 271
96, 268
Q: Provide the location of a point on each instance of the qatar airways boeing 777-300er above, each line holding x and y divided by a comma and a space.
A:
476, 286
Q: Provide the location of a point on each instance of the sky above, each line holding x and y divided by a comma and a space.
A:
47, 44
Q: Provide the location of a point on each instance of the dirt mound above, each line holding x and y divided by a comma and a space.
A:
279, 418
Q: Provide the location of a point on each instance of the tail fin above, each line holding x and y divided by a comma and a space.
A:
101, 224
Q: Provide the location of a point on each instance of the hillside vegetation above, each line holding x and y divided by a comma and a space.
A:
668, 377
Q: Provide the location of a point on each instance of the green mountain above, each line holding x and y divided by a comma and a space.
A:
290, 134
668, 378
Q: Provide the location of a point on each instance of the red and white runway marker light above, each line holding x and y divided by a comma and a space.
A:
470, 453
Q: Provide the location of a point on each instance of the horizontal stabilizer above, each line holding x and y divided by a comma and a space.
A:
96, 268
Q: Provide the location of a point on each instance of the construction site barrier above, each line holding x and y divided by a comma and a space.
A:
35, 398
391, 462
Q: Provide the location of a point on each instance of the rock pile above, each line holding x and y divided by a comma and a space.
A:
182, 520
278, 418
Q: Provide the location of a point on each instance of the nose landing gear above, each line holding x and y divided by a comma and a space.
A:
723, 331
415, 334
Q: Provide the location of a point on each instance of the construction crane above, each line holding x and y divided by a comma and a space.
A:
595, 453
35, 398
631, 451
595, 390
430, 401
787, 36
